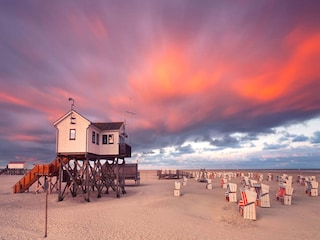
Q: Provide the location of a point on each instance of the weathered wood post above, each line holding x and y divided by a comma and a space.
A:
59, 180
87, 180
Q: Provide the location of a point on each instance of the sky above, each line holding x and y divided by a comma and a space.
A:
200, 84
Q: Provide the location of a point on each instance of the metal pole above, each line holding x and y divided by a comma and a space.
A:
46, 211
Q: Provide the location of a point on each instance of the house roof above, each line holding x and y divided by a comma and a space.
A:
108, 125
102, 126
16, 162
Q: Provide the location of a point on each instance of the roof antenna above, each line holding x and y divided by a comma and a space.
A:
72, 105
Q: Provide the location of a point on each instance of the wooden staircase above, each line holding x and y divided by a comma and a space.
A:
39, 170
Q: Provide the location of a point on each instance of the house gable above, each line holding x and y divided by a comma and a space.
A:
69, 115
72, 133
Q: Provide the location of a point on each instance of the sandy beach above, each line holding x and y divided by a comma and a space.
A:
150, 211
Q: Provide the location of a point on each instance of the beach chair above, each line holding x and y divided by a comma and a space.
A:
231, 193
247, 205
299, 177
245, 182
302, 180
184, 182
288, 180
264, 196
177, 187
209, 184
269, 177
224, 182
197, 176
284, 194
312, 188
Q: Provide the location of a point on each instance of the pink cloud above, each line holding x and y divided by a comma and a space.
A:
24, 138
11, 99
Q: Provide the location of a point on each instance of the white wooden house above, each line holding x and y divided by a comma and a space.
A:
16, 168
17, 165
77, 135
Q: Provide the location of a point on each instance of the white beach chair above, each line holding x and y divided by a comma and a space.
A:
177, 187
312, 188
184, 182
264, 196
245, 182
231, 194
209, 184
247, 206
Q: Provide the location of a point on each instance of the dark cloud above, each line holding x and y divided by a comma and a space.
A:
274, 146
225, 141
184, 150
300, 138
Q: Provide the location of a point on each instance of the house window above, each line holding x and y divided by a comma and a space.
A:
107, 139
104, 139
72, 134
72, 120
93, 137
97, 141
110, 139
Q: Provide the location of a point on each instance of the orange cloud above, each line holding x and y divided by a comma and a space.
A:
172, 85
170, 74
274, 79
304, 61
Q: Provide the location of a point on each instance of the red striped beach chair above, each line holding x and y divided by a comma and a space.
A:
284, 194
247, 206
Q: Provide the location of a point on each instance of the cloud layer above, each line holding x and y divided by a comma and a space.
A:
208, 81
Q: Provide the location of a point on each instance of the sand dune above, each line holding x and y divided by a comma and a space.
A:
150, 211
